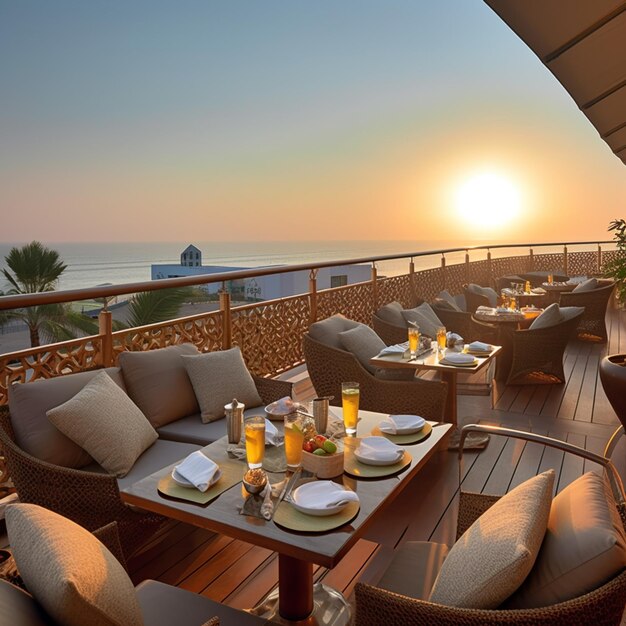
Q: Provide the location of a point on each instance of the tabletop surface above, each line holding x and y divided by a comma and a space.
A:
431, 361
221, 515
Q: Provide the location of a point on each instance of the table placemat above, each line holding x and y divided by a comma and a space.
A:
232, 473
405, 439
359, 470
291, 519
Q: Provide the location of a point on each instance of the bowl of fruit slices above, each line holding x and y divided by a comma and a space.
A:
322, 456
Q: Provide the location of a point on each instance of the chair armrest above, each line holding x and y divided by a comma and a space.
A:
214, 621
271, 389
110, 537
471, 507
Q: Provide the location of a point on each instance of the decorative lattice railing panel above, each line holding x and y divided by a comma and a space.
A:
582, 263
455, 277
353, 301
480, 273
548, 262
510, 266
270, 334
397, 289
48, 361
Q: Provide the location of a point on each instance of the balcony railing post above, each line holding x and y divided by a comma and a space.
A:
227, 329
531, 260
443, 272
374, 287
412, 282
599, 270
467, 267
105, 330
565, 261
312, 296
489, 271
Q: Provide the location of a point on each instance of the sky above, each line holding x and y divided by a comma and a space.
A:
271, 120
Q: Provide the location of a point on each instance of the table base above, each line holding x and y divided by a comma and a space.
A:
473, 441
329, 607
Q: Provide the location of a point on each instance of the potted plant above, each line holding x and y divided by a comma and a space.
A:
616, 267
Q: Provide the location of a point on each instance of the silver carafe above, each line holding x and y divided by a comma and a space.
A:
234, 420
320, 413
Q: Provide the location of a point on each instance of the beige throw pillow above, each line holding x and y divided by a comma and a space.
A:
218, 378
363, 343
105, 422
391, 313
68, 571
488, 292
158, 384
550, 317
496, 553
587, 285
584, 546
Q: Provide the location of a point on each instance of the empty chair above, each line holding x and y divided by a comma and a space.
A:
476, 296
594, 296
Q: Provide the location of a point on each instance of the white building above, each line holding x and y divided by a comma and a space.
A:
264, 287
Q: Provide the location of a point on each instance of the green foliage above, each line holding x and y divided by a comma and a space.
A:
150, 307
616, 267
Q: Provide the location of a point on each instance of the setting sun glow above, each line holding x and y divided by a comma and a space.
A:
488, 200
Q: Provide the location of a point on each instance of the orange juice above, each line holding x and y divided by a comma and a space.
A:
350, 404
294, 439
441, 338
414, 340
255, 441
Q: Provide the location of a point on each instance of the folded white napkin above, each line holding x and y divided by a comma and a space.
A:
322, 494
397, 423
379, 449
538, 290
272, 436
398, 348
457, 359
479, 346
198, 469
486, 309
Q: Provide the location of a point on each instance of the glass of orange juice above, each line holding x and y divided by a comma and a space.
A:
294, 439
414, 340
350, 405
254, 428
441, 337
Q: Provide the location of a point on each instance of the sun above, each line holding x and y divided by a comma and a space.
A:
488, 200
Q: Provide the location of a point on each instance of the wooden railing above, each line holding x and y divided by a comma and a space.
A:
269, 333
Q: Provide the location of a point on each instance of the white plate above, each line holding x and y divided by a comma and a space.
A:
183, 482
310, 490
403, 430
380, 443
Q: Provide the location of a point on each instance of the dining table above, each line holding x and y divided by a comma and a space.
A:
297, 598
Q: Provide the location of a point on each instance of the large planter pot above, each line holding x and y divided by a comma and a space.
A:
613, 377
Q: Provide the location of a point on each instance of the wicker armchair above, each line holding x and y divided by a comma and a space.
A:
602, 606
474, 300
328, 367
389, 333
592, 325
535, 356
88, 498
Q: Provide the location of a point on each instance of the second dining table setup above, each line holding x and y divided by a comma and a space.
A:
304, 483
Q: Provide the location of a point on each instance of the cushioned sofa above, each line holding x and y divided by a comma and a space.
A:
50, 469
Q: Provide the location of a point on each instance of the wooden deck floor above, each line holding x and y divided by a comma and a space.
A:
240, 575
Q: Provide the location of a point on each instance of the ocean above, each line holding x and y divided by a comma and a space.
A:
91, 264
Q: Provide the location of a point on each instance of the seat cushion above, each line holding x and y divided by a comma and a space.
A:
392, 314
191, 429
219, 377
327, 331
105, 422
363, 343
584, 546
550, 317
68, 571
164, 605
496, 553
19, 608
587, 285
34, 433
158, 383
488, 292
414, 569
446, 296
425, 318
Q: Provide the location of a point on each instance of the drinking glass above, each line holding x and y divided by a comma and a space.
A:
513, 303
441, 337
550, 279
350, 404
294, 439
414, 340
254, 428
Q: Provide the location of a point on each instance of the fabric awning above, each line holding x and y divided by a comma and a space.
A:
583, 43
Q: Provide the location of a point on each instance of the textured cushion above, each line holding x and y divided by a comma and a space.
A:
584, 546
158, 384
29, 403
494, 556
550, 317
103, 420
587, 285
363, 343
217, 378
425, 318
327, 331
450, 299
488, 292
392, 314
19, 608
567, 312
68, 571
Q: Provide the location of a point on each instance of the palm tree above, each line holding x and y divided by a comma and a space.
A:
33, 268
150, 307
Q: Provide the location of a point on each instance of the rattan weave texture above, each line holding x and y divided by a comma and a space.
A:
592, 324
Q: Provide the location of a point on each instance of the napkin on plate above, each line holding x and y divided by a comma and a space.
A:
379, 449
397, 423
479, 346
198, 469
322, 494
457, 359
272, 436
398, 348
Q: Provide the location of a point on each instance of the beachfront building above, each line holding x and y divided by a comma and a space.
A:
191, 256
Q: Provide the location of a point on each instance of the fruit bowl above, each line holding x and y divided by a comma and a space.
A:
327, 466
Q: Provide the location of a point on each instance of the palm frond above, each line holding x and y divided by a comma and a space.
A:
33, 268
149, 307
